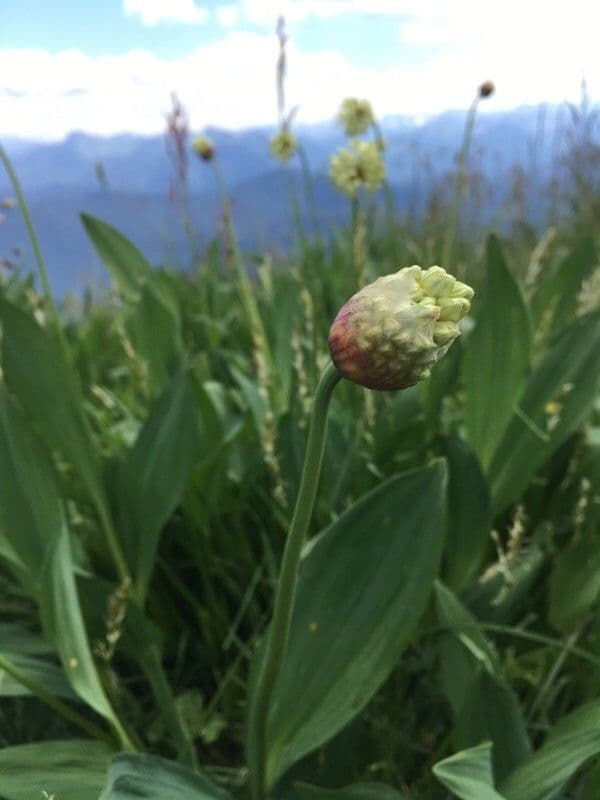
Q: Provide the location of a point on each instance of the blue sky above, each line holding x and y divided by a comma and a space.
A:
110, 65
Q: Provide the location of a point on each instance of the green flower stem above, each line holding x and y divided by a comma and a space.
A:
286, 587
65, 711
43, 272
459, 183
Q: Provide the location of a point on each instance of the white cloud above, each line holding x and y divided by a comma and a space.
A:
230, 82
264, 12
153, 12
227, 16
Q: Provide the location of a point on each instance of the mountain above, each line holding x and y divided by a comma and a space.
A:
60, 179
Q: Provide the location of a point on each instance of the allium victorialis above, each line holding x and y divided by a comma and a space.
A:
390, 333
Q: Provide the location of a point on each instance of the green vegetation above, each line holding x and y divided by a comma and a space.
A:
445, 634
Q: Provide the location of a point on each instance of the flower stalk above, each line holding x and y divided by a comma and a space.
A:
279, 630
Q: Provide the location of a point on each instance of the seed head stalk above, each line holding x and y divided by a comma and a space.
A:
244, 287
286, 587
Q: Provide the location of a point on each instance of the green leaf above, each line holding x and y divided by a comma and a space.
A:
496, 357
364, 583
45, 384
574, 740
42, 671
484, 704
469, 515
574, 582
569, 378
153, 324
491, 711
29, 505
34, 508
454, 617
468, 774
142, 776
66, 770
63, 622
154, 477
355, 791
556, 298
126, 264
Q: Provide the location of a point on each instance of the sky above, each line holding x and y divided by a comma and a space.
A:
110, 66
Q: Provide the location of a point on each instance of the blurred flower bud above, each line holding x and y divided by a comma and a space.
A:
391, 332
486, 89
355, 116
204, 148
358, 166
284, 145
8, 203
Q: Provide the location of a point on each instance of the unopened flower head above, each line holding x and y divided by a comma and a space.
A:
358, 166
391, 332
355, 116
486, 89
204, 148
284, 145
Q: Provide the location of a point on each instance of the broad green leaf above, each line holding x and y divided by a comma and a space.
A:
15, 638
574, 581
66, 770
558, 397
143, 776
556, 298
469, 515
140, 641
154, 477
29, 506
355, 791
496, 357
468, 774
574, 740
153, 324
484, 704
363, 585
41, 670
63, 622
45, 384
34, 511
455, 618
491, 711
127, 266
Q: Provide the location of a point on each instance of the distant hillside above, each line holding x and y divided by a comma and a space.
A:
60, 180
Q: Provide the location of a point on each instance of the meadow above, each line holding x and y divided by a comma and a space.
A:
443, 638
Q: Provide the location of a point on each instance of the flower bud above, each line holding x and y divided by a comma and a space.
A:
355, 116
204, 148
391, 332
359, 166
486, 89
284, 145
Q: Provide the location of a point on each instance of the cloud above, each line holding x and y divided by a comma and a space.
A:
154, 12
231, 81
263, 12
227, 16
